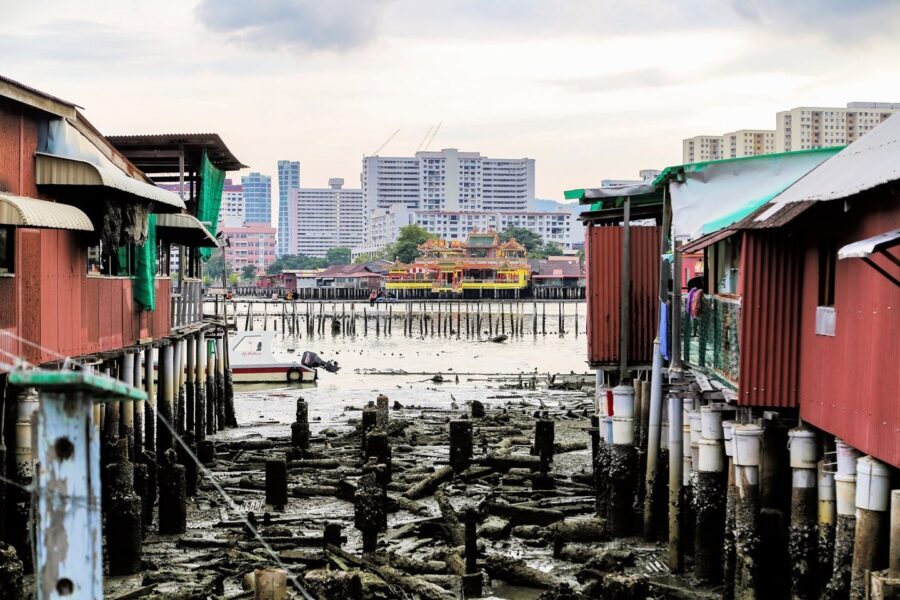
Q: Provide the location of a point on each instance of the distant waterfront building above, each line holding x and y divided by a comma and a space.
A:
257, 190
448, 180
288, 179
384, 225
248, 244
808, 127
324, 218
801, 128
232, 200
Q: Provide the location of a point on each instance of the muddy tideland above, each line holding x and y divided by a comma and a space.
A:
353, 503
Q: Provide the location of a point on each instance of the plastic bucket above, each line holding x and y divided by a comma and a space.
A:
728, 436
845, 494
747, 443
696, 426
711, 423
826, 484
622, 431
686, 441
802, 445
711, 457
623, 401
606, 429
873, 484
846, 457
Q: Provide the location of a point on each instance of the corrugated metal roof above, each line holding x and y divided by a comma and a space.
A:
869, 246
217, 151
61, 171
30, 212
870, 161
185, 229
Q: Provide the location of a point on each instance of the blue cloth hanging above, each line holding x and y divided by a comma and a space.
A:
664, 330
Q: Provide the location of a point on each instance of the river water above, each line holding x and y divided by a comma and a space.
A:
402, 367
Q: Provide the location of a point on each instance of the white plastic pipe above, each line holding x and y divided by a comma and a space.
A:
655, 412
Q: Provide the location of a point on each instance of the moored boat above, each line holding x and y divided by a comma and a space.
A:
253, 361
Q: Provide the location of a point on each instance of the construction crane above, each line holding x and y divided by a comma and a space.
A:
434, 133
386, 142
422, 143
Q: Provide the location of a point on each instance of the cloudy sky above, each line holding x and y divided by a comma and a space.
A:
591, 89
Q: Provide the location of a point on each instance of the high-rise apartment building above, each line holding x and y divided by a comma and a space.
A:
288, 179
701, 148
232, 200
808, 127
323, 218
748, 142
448, 180
257, 191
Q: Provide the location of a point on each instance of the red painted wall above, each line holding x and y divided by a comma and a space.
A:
849, 384
50, 301
603, 265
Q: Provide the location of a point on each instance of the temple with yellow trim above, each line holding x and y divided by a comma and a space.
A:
483, 266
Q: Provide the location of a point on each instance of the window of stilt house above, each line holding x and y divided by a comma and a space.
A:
6, 250
826, 317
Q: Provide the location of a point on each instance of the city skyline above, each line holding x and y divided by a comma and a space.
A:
528, 79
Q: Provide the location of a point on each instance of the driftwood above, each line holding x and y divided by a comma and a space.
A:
395, 503
517, 572
308, 491
577, 530
523, 515
427, 486
494, 528
314, 463
409, 564
451, 519
512, 461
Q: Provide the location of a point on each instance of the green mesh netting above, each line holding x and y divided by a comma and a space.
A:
144, 283
212, 181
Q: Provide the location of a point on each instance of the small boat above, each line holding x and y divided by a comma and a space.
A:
252, 361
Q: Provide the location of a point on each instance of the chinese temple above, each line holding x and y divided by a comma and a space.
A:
481, 263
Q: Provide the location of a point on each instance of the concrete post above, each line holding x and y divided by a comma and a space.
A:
221, 417
150, 388
200, 389
803, 534
211, 398
872, 504
189, 379
676, 464
126, 375
164, 404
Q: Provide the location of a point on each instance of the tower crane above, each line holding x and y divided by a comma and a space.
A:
386, 142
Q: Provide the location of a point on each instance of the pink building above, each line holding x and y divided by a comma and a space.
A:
250, 244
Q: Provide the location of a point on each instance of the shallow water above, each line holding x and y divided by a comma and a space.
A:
403, 367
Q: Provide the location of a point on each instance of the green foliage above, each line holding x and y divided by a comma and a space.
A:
249, 272
406, 248
295, 262
338, 256
233, 279
551, 249
216, 265
531, 240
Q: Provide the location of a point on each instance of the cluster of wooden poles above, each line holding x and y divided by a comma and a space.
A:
418, 318
762, 510
188, 383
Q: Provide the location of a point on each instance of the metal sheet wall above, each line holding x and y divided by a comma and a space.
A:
850, 382
603, 258
770, 310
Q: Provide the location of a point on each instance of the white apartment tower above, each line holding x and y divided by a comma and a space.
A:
808, 127
449, 180
325, 218
748, 142
702, 148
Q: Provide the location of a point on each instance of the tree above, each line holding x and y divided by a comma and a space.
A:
551, 249
233, 279
295, 262
216, 265
406, 248
249, 272
338, 256
531, 240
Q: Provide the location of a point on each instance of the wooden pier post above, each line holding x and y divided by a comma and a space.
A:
200, 388
126, 375
189, 387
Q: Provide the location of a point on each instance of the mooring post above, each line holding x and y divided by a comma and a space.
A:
472, 579
200, 389
172, 494
676, 464
369, 510
872, 504
368, 422
68, 536
300, 428
276, 483
381, 404
460, 444
378, 448
126, 375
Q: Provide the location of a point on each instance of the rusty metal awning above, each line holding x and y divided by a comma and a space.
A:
184, 229
71, 173
875, 245
706, 241
30, 212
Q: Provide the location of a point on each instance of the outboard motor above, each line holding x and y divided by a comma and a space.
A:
312, 360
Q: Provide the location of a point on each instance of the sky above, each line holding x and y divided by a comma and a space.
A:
591, 89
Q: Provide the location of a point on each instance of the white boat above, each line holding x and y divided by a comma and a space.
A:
252, 360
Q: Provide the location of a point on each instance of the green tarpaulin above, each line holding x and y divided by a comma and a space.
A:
212, 181
144, 283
